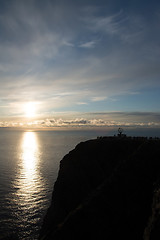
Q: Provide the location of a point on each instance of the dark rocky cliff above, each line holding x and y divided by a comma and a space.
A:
107, 188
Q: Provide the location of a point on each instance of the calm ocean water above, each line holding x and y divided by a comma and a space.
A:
29, 163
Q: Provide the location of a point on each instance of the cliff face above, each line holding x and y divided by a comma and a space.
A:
106, 189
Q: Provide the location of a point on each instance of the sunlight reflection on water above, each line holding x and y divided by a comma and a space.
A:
30, 154
29, 178
29, 164
29, 184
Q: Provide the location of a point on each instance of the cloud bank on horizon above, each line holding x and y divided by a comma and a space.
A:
79, 56
92, 120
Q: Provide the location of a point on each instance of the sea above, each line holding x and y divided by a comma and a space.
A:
29, 164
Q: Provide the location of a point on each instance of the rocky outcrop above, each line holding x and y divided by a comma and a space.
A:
107, 188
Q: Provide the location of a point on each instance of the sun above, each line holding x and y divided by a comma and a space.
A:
30, 109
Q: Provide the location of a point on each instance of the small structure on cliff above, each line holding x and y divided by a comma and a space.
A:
120, 133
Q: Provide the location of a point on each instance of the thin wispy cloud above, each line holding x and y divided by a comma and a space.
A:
97, 99
128, 28
90, 44
82, 103
74, 56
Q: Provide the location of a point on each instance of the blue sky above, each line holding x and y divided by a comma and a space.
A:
75, 58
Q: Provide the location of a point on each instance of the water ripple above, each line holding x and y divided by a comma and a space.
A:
28, 188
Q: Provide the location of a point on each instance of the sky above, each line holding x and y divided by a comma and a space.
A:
78, 63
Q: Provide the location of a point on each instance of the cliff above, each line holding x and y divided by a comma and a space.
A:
107, 188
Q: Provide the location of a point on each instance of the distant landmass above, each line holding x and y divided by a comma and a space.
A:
107, 188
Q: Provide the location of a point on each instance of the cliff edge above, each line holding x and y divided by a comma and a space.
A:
107, 188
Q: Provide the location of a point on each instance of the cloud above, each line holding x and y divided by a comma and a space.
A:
82, 103
98, 119
128, 28
109, 24
90, 44
69, 56
98, 99
68, 44
129, 117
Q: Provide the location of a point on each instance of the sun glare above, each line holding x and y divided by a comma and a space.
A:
30, 109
